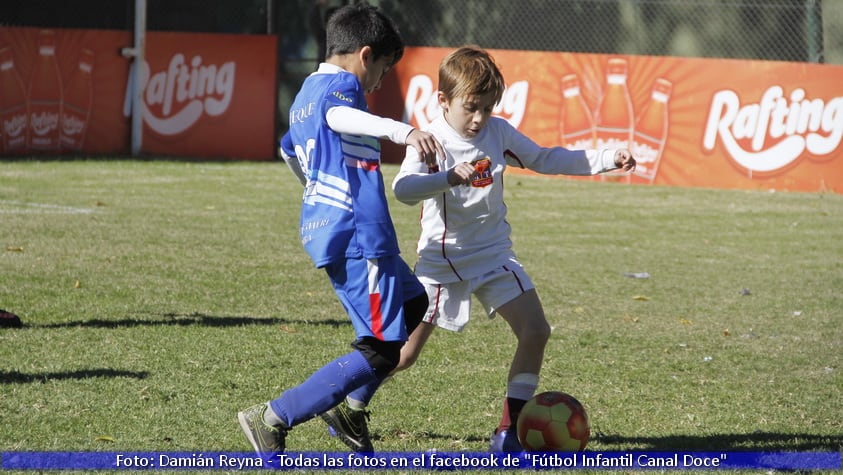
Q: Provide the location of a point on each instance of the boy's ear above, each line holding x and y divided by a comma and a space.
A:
365, 54
442, 99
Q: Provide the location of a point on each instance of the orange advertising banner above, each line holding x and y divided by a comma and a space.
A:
690, 122
62, 91
65, 91
210, 95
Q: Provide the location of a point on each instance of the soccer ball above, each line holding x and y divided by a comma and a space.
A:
553, 421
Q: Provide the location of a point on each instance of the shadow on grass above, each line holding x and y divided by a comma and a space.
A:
12, 377
191, 319
424, 435
754, 441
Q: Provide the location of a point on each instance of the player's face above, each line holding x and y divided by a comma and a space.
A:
375, 71
468, 115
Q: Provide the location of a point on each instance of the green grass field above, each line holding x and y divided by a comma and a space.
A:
160, 298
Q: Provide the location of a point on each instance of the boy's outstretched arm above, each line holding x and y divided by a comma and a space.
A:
348, 120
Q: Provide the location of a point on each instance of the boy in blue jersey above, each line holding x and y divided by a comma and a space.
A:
346, 227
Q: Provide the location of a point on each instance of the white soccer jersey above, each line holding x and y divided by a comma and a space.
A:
464, 229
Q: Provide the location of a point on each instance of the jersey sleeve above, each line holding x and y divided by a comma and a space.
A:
416, 182
346, 112
520, 151
348, 120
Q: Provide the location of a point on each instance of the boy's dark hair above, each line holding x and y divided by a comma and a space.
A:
355, 26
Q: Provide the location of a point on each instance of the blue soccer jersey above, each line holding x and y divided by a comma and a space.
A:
344, 207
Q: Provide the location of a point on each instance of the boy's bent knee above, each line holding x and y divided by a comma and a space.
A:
537, 332
383, 356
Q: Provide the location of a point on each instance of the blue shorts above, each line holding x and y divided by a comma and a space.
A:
373, 292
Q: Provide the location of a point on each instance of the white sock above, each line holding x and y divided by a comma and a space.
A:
270, 417
523, 386
354, 404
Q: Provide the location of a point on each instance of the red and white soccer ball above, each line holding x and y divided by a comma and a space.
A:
553, 421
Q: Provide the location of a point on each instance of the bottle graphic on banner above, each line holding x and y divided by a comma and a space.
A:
45, 96
576, 128
14, 115
651, 133
615, 118
76, 107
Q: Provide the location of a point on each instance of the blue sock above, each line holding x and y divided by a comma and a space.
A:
364, 393
324, 389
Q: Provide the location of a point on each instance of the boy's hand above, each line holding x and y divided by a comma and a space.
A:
427, 146
460, 174
624, 160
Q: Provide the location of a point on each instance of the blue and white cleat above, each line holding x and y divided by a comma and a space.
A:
505, 441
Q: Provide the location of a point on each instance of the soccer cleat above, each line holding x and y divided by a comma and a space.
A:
505, 441
350, 426
267, 440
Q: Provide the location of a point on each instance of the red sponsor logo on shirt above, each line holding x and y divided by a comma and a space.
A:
482, 173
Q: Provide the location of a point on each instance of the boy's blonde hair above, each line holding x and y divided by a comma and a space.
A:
470, 71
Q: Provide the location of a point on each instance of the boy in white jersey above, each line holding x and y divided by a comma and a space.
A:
465, 246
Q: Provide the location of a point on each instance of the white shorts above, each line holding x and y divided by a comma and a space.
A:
450, 304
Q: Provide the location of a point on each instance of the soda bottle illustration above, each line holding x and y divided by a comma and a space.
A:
651, 133
13, 106
615, 117
76, 108
45, 96
576, 127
